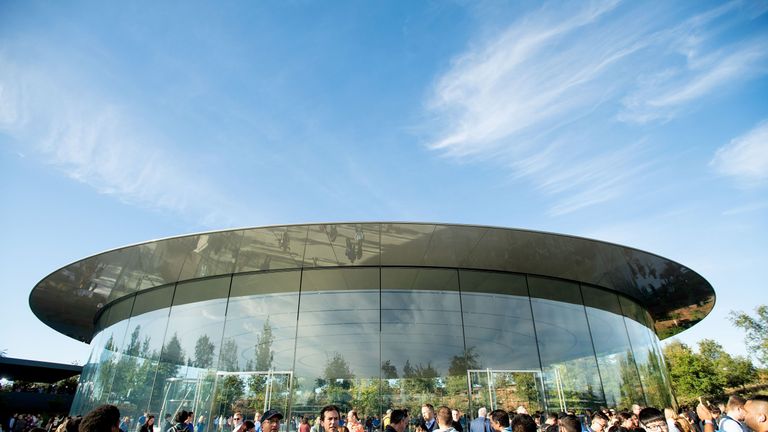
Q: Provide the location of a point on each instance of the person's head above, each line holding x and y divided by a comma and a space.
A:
398, 419
249, 426
626, 419
599, 421
104, 418
181, 416
521, 410
150, 420
570, 423
427, 412
653, 420
482, 412
330, 418
201, 419
499, 420
304, 420
270, 420
455, 414
551, 418
735, 407
352, 416
756, 413
636, 410
444, 418
522, 423
167, 417
715, 411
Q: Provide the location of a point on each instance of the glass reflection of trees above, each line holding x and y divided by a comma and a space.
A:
372, 339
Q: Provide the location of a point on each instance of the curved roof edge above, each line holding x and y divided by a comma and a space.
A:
69, 299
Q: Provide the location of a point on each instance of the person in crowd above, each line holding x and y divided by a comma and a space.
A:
105, 418
353, 422
522, 423
480, 424
569, 423
756, 413
270, 420
256, 422
167, 425
303, 424
200, 424
599, 422
733, 419
428, 422
237, 420
499, 421
444, 420
671, 417
330, 418
180, 420
456, 416
249, 426
125, 424
142, 419
317, 427
149, 425
653, 420
387, 418
398, 421
550, 423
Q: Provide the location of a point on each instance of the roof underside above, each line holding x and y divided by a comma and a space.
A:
69, 299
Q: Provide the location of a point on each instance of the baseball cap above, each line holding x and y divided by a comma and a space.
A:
268, 414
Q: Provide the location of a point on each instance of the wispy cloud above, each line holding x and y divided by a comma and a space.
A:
517, 97
745, 158
96, 142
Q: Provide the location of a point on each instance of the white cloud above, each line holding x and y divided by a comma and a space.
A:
745, 158
516, 98
97, 143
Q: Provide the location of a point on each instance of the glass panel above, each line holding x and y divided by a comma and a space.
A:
337, 349
615, 358
404, 244
499, 333
272, 249
451, 246
114, 334
570, 370
84, 398
160, 263
213, 254
643, 350
258, 345
342, 245
422, 343
188, 364
141, 351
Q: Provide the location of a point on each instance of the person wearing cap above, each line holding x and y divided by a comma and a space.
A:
270, 420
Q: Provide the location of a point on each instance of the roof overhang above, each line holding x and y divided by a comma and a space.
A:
69, 299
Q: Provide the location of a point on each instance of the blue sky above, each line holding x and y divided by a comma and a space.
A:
641, 123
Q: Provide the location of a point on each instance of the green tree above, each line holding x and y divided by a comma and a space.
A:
204, 348
692, 374
264, 353
388, 370
228, 360
757, 331
733, 371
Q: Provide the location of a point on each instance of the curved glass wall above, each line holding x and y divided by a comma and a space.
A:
370, 338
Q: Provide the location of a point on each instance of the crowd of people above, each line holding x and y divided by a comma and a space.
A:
737, 415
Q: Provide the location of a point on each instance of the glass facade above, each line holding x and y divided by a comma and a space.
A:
370, 338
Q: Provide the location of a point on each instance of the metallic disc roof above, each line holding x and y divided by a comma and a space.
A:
69, 299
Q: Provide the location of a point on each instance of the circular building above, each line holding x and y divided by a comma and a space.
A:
371, 316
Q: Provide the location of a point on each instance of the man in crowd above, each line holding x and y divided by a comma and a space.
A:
270, 420
653, 420
522, 423
256, 422
550, 424
499, 421
569, 423
599, 422
733, 419
480, 424
237, 420
398, 421
167, 425
330, 418
105, 418
756, 416
428, 422
456, 415
444, 419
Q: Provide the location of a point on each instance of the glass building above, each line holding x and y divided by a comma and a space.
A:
371, 316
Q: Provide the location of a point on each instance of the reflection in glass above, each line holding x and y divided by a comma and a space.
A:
567, 357
501, 347
422, 345
337, 347
615, 358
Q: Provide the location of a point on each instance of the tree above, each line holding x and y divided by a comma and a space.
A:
204, 348
264, 353
757, 331
692, 375
228, 360
733, 371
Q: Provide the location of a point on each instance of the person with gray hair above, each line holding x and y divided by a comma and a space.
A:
481, 423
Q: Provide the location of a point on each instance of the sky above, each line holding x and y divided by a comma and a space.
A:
639, 123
